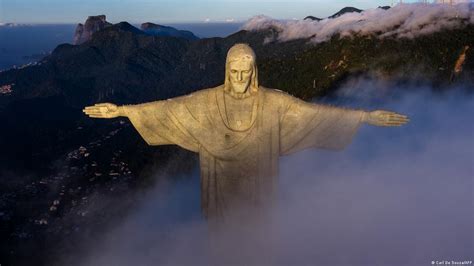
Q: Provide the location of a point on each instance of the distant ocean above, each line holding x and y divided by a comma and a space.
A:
21, 45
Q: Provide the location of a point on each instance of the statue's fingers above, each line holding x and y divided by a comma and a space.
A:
92, 111
388, 113
107, 106
398, 116
391, 113
98, 109
395, 123
382, 125
96, 116
91, 108
386, 117
102, 104
404, 121
391, 125
399, 120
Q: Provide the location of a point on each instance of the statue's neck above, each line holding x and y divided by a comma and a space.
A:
246, 94
239, 95
239, 100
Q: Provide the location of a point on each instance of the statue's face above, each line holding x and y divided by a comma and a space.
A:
240, 74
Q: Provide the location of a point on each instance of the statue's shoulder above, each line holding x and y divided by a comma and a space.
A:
213, 90
272, 92
207, 91
275, 95
202, 93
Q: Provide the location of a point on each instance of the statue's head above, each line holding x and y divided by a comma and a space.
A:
241, 76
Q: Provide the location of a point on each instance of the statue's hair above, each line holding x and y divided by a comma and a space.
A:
237, 52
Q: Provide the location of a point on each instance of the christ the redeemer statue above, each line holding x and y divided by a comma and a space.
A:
240, 130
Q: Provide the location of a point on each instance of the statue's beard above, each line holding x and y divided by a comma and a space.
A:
239, 90
240, 87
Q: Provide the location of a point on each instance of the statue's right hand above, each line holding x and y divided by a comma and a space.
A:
102, 110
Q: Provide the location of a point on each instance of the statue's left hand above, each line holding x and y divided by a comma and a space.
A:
103, 110
385, 118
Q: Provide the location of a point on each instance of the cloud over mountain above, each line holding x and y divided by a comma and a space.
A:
403, 21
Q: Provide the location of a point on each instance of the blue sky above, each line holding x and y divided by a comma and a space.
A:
171, 11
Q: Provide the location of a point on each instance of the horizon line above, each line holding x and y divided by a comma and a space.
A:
132, 23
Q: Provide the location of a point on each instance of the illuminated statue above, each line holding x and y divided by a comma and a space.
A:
240, 130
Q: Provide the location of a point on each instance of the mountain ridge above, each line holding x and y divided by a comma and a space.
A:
123, 47
93, 24
161, 30
344, 10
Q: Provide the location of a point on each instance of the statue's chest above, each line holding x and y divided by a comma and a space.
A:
248, 143
238, 113
238, 129
239, 119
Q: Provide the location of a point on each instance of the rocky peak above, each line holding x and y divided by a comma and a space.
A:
345, 10
93, 24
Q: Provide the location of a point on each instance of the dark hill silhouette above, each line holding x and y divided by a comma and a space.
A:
160, 30
345, 10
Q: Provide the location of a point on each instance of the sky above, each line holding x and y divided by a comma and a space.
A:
171, 11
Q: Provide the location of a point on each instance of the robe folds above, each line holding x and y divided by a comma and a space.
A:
239, 167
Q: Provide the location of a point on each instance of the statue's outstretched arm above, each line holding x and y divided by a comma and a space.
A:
384, 118
104, 110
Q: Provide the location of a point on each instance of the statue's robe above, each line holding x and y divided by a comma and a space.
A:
239, 168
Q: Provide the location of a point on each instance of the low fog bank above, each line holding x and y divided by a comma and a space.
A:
403, 20
395, 196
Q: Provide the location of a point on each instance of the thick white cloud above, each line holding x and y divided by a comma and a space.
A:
405, 20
